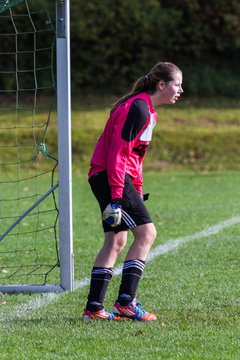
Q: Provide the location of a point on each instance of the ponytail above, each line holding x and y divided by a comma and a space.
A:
161, 71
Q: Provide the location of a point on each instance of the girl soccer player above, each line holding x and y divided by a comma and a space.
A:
115, 177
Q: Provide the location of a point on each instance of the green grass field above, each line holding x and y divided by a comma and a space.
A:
192, 287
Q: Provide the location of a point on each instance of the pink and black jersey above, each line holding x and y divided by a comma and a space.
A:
123, 143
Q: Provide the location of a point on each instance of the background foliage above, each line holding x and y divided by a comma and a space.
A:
114, 42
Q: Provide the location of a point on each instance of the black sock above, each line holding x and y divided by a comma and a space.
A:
132, 272
100, 279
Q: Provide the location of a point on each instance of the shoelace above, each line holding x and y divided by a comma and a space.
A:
140, 312
111, 317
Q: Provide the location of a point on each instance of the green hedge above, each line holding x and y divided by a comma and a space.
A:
114, 42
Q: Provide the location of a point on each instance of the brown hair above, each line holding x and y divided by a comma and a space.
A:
161, 71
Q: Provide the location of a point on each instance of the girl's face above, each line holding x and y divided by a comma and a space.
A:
171, 91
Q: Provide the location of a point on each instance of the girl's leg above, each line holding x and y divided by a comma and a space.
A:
144, 236
102, 269
112, 247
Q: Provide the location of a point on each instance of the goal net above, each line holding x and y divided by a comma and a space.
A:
30, 248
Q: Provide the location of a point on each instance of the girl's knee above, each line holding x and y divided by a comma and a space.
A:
146, 233
117, 242
151, 234
120, 244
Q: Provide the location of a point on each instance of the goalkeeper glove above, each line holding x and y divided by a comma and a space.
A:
112, 214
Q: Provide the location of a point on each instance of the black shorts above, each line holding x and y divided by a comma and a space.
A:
135, 212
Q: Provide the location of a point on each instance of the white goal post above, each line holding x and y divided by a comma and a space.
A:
64, 144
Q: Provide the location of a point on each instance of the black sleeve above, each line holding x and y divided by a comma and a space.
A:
135, 120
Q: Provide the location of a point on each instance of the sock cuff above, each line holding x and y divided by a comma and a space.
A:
138, 264
102, 272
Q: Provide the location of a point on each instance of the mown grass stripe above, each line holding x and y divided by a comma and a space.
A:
42, 300
173, 244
